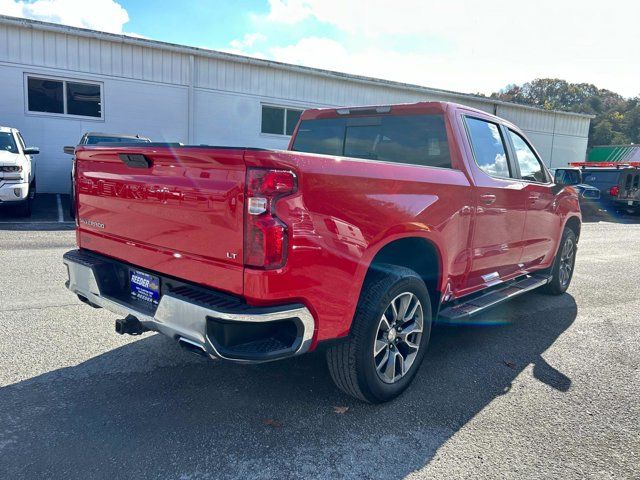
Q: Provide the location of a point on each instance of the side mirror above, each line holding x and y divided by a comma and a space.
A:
567, 176
31, 151
69, 150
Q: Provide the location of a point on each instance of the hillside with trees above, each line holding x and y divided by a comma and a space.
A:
617, 119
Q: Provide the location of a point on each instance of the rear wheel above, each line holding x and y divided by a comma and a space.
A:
388, 339
563, 265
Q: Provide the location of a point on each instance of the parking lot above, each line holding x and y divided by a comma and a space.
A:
49, 211
551, 393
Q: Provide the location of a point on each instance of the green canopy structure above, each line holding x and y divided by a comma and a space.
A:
614, 153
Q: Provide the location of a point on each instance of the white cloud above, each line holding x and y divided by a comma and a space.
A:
103, 15
470, 45
248, 41
289, 11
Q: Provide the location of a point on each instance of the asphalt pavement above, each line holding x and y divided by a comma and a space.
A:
550, 391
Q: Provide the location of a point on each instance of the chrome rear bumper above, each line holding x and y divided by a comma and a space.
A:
193, 322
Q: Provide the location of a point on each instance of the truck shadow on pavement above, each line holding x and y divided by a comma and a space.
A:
149, 410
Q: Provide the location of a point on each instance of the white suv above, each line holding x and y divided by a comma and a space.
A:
17, 171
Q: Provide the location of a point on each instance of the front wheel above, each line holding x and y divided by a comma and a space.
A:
24, 209
388, 338
563, 264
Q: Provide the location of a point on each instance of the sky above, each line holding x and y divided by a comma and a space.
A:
470, 46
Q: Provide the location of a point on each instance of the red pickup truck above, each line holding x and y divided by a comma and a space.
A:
376, 223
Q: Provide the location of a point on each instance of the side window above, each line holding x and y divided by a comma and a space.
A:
530, 165
488, 147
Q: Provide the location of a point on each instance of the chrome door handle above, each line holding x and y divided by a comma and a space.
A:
488, 198
534, 197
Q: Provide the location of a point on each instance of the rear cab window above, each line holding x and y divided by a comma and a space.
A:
95, 140
411, 139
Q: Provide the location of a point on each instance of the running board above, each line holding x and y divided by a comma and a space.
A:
465, 309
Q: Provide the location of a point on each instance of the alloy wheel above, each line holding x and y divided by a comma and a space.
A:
398, 337
566, 262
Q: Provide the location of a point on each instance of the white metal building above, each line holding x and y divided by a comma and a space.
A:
59, 82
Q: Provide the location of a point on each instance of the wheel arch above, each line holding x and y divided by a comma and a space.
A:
417, 253
574, 224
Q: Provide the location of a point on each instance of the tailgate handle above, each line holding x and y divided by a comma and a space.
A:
135, 160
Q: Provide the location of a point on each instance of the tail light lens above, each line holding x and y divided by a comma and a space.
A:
266, 235
613, 191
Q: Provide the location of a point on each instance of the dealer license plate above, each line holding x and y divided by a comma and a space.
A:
145, 287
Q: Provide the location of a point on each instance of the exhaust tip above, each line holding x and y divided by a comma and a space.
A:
192, 347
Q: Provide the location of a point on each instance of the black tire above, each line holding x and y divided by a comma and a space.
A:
559, 284
352, 364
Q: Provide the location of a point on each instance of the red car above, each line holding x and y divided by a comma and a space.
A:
377, 222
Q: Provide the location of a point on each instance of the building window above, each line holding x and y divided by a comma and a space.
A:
279, 120
66, 97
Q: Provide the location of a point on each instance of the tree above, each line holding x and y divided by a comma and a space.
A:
617, 120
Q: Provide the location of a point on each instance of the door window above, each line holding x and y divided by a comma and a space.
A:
531, 168
488, 147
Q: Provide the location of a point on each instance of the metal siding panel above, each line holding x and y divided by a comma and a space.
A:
37, 47
13, 42
221, 75
572, 125
4, 42
185, 70
229, 77
84, 54
60, 40
95, 51
166, 67
25, 46
176, 67
72, 53
136, 62
147, 64
116, 59
105, 58
528, 119
202, 73
49, 51
127, 61
246, 78
568, 149
256, 75
156, 58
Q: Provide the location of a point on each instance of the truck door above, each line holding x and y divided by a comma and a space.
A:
500, 206
542, 224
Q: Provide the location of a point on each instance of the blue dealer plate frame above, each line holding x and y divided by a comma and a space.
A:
144, 287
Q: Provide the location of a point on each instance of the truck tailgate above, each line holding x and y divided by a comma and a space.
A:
177, 211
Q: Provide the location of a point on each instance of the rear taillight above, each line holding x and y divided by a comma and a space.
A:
613, 191
265, 244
